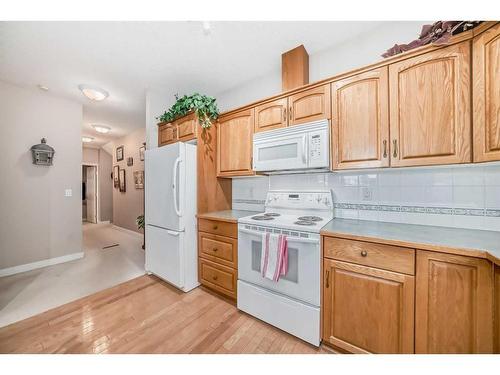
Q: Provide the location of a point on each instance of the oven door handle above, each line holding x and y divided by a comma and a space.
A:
289, 238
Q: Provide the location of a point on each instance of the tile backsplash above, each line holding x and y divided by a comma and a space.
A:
463, 196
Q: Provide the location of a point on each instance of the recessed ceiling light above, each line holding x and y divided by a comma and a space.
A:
43, 88
206, 27
93, 93
87, 139
101, 128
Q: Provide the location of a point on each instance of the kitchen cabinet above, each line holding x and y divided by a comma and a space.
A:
367, 310
271, 115
360, 121
303, 107
309, 105
497, 309
187, 127
486, 95
430, 98
218, 255
454, 304
167, 134
234, 144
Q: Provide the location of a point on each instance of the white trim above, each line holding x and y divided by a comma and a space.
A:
40, 264
121, 229
104, 222
97, 195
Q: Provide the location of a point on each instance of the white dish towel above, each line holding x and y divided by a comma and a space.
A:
274, 260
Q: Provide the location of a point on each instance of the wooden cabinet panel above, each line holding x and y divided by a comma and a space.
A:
220, 278
186, 128
388, 257
430, 108
271, 115
309, 105
367, 310
497, 309
167, 133
486, 95
223, 250
234, 144
454, 307
221, 228
360, 121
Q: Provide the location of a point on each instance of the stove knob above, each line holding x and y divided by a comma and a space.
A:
326, 201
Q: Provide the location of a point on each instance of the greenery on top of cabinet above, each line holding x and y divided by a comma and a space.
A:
203, 106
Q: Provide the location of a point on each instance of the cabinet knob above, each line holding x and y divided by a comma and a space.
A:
215, 249
216, 227
364, 253
214, 277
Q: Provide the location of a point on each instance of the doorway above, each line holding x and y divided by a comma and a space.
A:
90, 193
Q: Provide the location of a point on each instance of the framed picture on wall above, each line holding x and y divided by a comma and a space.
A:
116, 177
122, 180
119, 153
141, 153
139, 179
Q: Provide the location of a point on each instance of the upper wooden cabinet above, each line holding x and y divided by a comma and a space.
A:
309, 105
187, 127
299, 108
430, 108
271, 115
486, 95
367, 310
360, 121
167, 133
234, 144
454, 304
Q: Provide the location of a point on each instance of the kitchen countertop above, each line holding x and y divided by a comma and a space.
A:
231, 216
471, 242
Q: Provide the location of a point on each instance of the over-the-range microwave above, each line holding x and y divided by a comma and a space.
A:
301, 148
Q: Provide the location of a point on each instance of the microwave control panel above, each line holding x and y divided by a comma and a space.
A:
318, 149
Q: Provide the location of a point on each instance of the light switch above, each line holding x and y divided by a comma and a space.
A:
367, 194
68, 192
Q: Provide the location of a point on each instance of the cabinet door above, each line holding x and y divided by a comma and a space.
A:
454, 308
360, 121
167, 134
486, 96
367, 310
497, 309
430, 108
309, 105
271, 115
186, 128
234, 144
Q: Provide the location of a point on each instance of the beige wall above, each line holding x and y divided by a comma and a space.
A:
38, 222
127, 206
104, 162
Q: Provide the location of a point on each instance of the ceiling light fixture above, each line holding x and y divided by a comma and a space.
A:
86, 139
101, 128
206, 27
93, 93
43, 88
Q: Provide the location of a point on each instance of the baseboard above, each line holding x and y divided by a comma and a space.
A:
40, 264
126, 230
104, 222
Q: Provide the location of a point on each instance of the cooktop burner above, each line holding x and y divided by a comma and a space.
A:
262, 217
272, 214
305, 222
309, 218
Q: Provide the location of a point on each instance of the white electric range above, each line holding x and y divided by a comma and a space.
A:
292, 303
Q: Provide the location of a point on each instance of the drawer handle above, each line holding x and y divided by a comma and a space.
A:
215, 249
216, 227
214, 277
364, 253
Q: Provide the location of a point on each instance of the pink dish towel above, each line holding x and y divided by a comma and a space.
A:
274, 261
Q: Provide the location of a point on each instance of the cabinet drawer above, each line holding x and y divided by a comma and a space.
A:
219, 249
221, 228
392, 258
186, 129
220, 278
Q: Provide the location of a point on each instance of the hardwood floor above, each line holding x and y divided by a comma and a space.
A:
146, 315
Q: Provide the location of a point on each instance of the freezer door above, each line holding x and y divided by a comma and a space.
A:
164, 186
165, 254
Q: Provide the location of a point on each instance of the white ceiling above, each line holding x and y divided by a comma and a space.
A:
126, 58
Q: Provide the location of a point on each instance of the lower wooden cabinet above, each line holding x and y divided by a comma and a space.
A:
367, 310
454, 304
217, 277
497, 309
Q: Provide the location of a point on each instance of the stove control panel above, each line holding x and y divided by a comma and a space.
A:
319, 200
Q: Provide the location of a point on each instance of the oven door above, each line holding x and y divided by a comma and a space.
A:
302, 280
280, 153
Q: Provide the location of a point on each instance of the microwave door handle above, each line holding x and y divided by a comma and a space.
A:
290, 238
304, 149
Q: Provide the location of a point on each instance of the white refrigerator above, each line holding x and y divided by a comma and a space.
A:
170, 214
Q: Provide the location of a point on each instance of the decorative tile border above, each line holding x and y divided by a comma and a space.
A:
420, 209
249, 201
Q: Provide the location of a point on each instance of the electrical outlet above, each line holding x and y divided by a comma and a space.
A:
367, 194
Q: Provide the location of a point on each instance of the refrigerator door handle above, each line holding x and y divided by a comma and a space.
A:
172, 233
175, 187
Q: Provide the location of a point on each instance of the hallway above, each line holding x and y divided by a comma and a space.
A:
29, 293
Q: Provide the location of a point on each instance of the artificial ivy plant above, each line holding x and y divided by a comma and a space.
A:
203, 106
